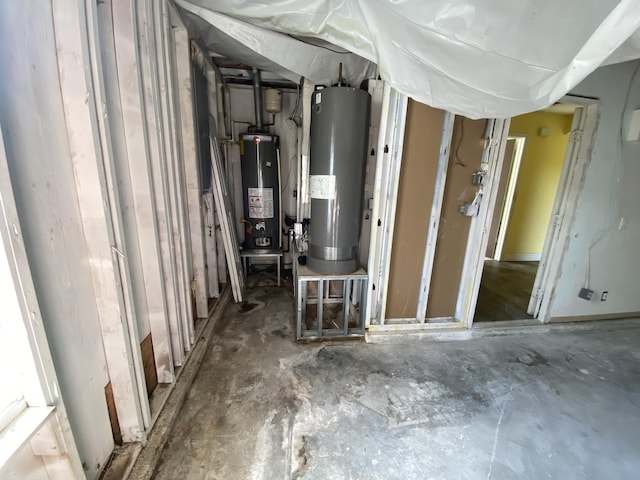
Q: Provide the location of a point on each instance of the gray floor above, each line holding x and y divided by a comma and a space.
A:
563, 406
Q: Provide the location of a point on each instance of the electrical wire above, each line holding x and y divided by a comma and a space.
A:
457, 150
294, 112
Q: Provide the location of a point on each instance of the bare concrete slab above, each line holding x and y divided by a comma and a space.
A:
559, 405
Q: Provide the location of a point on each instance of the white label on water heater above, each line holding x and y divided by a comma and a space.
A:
322, 187
260, 202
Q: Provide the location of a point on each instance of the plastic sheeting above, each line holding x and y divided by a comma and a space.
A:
478, 58
274, 52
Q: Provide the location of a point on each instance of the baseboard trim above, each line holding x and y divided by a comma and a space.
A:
589, 318
521, 257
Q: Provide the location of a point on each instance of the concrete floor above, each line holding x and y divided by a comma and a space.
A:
562, 405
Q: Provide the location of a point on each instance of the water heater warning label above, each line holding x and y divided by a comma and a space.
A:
322, 187
260, 202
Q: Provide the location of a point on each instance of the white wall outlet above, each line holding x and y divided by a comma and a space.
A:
633, 128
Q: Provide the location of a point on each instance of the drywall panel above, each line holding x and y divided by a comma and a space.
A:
151, 106
467, 145
423, 134
537, 182
33, 125
602, 247
119, 146
500, 196
91, 151
135, 169
191, 156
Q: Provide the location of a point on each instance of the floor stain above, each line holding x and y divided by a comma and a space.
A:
532, 359
247, 307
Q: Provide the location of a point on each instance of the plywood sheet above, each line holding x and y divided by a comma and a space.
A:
149, 364
113, 415
465, 158
423, 135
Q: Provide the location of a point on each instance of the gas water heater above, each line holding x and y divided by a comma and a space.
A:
261, 191
339, 137
260, 166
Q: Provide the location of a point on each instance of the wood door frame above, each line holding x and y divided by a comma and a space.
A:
571, 182
496, 137
514, 174
577, 158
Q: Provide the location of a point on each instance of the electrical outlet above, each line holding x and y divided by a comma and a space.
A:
586, 293
603, 297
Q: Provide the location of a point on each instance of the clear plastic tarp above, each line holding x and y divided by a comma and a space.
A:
478, 58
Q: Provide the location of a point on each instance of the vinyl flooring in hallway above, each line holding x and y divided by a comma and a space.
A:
505, 290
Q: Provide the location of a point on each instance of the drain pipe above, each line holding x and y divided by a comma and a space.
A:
257, 98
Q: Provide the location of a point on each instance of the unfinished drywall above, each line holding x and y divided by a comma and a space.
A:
537, 182
602, 246
423, 134
33, 125
467, 145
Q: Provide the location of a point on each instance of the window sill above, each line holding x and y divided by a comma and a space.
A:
21, 430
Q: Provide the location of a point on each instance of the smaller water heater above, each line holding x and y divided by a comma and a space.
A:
260, 167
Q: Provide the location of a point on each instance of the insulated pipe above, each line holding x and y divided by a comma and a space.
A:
257, 98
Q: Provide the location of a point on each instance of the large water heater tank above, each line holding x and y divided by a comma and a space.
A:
339, 137
261, 191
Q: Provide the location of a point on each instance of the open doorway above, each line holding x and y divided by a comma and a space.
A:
535, 154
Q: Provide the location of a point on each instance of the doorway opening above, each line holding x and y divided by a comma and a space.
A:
528, 188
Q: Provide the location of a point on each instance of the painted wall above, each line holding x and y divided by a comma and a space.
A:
602, 251
32, 121
537, 182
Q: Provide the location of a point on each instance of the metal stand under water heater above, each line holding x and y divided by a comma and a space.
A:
339, 137
260, 165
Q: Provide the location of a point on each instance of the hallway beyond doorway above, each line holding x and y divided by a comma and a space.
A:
505, 291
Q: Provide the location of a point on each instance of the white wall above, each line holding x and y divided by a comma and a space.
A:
32, 120
603, 246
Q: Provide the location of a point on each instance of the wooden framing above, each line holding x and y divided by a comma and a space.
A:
389, 155
434, 221
128, 62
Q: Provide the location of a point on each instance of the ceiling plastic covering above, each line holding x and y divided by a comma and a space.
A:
478, 58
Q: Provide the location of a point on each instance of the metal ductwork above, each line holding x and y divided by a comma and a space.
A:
257, 99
